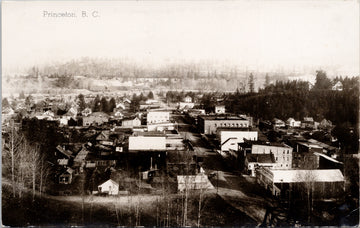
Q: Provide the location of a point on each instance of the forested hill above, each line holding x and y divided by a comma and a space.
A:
294, 99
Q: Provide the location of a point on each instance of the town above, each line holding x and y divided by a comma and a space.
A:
183, 158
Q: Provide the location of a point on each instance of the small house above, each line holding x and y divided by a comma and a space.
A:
220, 109
338, 86
278, 123
131, 122
97, 118
86, 112
291, 122
187, 99
66, 177
109, 187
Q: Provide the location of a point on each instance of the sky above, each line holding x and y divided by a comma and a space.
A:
257, 33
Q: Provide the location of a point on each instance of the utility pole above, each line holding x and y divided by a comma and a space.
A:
217, 182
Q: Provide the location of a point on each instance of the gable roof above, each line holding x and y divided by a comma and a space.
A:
99, 114
67, 153
109, 182
104, 135
308, 119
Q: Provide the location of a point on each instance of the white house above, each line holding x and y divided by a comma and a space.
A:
158, 117
132, 122
219, 109
110, 187
187, 99
338, 86
291, 122
64, 120
86, 112
118, 114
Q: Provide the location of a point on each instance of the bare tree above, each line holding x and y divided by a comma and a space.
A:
307, 179
12, 147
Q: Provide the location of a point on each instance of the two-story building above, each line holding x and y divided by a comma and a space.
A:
158, 117
283, 154
208, 124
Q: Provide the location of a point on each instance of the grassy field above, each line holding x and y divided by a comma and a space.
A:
50, 211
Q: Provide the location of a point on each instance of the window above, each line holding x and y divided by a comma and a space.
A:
288, 152
276, 159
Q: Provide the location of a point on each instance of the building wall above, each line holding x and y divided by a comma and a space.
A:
147, 143
158, 117
306, 160
210, 126
88, 120
219, 109
131, 123
252, 166
283, 155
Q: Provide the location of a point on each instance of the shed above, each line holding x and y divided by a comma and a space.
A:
110, 187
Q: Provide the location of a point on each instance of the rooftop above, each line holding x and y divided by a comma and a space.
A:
236, 129
249, 143
221, 117
317, 175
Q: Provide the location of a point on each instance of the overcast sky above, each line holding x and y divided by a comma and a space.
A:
245, 33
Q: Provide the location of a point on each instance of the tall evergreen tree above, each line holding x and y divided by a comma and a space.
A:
112, 104
150, 95
5, 103
81, 102
251, 83
322, 81
96, 104
104, 106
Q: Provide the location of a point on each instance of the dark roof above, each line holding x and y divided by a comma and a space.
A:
221, 117
236, 129
99, 114
261, 158
67, 153
249, 143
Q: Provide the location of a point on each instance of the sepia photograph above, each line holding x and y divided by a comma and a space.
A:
233, 113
